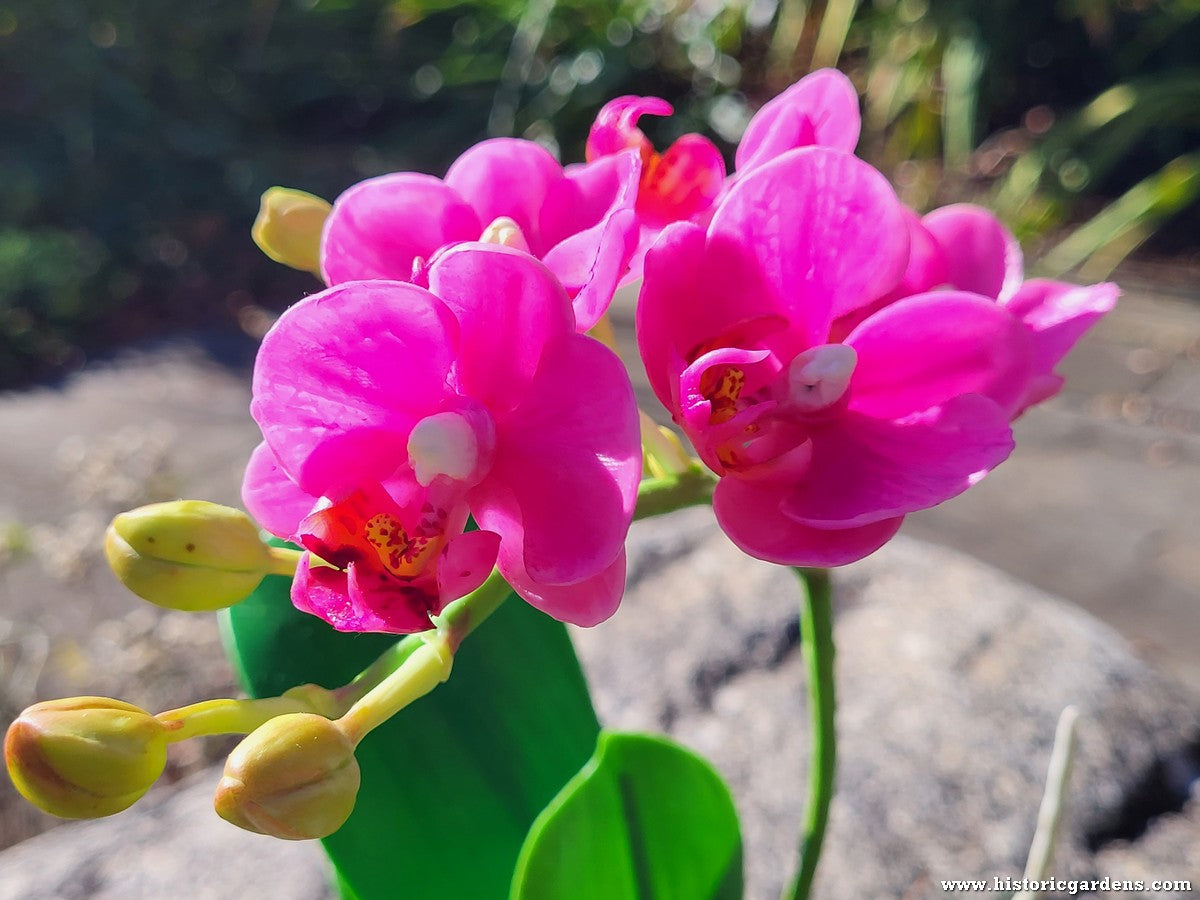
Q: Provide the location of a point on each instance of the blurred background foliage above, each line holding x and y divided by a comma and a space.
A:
136, 136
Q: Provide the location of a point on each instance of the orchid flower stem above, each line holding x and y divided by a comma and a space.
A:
816, 643
284, 560
366, 680
424, 663
691, 487
226, 716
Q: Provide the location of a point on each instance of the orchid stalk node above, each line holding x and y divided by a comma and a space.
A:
191, 555
84, 757
295, 777
288, 227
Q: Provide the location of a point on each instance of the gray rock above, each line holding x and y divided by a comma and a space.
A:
950, 676
171, 844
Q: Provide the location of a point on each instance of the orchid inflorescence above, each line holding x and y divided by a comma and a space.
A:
835, 360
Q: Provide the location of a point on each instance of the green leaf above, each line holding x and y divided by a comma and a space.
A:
645, 819
452, 784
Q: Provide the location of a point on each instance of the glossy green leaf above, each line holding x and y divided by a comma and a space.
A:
452, 784
645, 819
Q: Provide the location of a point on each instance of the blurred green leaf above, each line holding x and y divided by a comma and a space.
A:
1103, 241
645, 819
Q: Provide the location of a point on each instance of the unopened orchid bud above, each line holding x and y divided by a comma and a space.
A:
294, 777
188, 554
288, 228
84, 757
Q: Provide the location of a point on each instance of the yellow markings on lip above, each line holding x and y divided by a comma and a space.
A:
723, 388
402, 555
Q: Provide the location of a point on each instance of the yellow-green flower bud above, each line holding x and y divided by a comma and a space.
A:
294, 778
188, 554
84, 757
288, 228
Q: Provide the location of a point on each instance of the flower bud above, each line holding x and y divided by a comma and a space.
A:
188, 554
84, 757
288, 228
294, 778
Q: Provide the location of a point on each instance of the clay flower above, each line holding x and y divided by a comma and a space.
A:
579, 221
685, 181
390, 411
823, 445
965, 247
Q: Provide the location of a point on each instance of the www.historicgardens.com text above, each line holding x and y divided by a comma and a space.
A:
1069, 886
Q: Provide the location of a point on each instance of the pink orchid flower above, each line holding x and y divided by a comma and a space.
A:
823, 446
965, 247
684, 182
390, 412
580, 221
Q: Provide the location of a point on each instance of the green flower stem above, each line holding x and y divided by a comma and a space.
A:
691, 487
284, 560
226, 716
366, 680
816, 642
428, 664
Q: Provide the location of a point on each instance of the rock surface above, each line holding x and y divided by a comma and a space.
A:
168, 846
951, 677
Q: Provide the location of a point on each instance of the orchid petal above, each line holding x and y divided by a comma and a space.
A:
379, 226
568, 463
509, 307
826, 229
507, 177
585, 603
615, 128
344, 375
341, 600
588, 221
865, 470
1059, 314
588, 193
821, 108
466, 563
922, 351
273, 500
590, 264
928, 267
682, 182
699, 295
749, 512
981, 254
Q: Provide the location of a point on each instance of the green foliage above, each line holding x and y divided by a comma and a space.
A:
452, 784
1053, 104
645, 819
47, 276
150, 129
